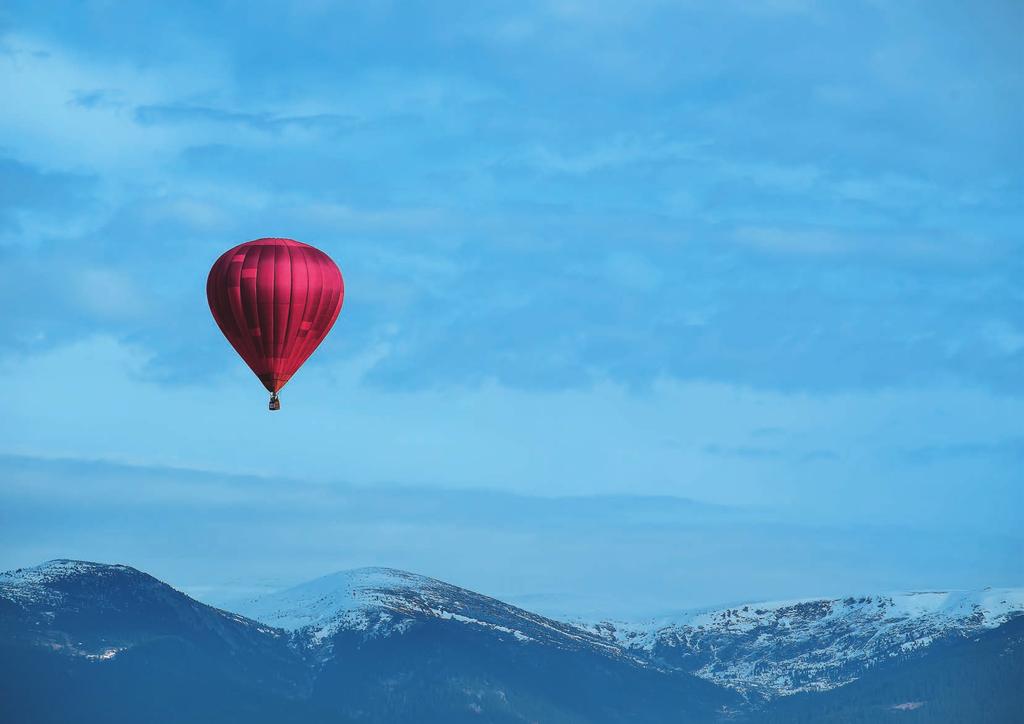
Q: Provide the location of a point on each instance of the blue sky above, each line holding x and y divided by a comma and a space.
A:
765, 259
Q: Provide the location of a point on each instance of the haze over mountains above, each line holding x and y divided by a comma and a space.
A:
387, 645
221, 536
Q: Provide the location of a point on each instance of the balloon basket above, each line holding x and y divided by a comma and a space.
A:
275, 402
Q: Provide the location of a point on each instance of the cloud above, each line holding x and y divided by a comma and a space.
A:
748, 256
614, 555
28, 192
798, 241
263, 122
51, 126
97, 98
879, 246
485, 207
602, 437
107, 294
609, 153
632, 272
1010, 450
1003, 336
812, 456
742, 451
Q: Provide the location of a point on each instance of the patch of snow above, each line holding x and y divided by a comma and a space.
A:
476, 622
784, 647
907, 706
383, 601
342, 600
33, 585
105, 655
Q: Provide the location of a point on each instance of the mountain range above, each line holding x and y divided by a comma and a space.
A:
84, 641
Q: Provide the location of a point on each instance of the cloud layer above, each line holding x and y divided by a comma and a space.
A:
762, 255
223, 537
801, 198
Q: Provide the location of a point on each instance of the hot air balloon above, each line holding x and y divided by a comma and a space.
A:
275, 300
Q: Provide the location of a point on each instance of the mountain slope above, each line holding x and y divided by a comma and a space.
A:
370, 646
85, 641
974, 679
391, 644
383, 601
777, 649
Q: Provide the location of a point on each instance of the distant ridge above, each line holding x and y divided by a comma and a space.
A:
767, 649
777, 648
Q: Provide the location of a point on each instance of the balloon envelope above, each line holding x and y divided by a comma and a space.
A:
275, 300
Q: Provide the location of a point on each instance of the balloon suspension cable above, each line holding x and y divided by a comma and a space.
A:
275, 402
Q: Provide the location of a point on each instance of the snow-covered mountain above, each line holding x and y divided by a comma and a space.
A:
379, 644
83, 641
106, 603
764, 650
379, 602
784, 647
373, 645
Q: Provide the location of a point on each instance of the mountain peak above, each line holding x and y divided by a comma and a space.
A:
64, 568
348, 598
44, 580
370, 577
379, 602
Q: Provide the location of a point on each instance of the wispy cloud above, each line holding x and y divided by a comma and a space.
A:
265, 122
763, 252
1009, 450
30, 195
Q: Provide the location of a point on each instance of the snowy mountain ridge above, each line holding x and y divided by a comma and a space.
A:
991, 604
346, 599
778, 648
764, 650
372, 645
761, 650
28, 583
107, 605
380, 602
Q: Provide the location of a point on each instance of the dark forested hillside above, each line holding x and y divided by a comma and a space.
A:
976, 680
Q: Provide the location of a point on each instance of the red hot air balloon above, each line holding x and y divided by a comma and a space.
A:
275, 300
